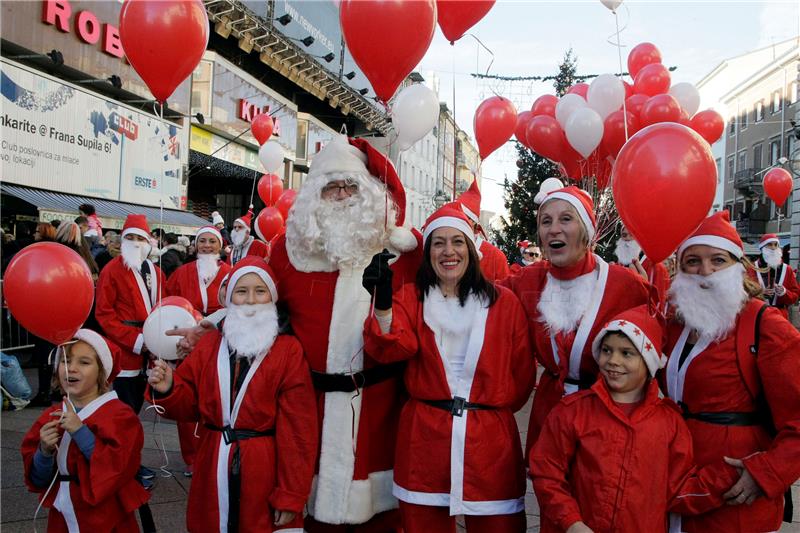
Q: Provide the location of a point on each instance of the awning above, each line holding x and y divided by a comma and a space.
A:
61, 206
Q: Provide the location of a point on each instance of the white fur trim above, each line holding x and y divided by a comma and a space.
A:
402, 239
643, 344
136, 231
208, 229
714, 241
98, 344
760, 245
338, 155
578, 205
250, 269
128, 373
467, 211
137, 347
448, 222
367, 498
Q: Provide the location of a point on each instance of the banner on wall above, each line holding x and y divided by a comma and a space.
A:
59, 137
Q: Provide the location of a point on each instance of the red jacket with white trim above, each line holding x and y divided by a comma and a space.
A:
185, 282
786, 277
494, 263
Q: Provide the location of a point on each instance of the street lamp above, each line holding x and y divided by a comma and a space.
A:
440, 199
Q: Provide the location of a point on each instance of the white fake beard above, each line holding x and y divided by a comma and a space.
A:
773, 258
710, 304
251, 329
347, 232
627, 251
134, 253
207, 266
238, 236
564, 302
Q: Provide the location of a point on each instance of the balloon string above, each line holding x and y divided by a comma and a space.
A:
619, 54
253, 189
488, 68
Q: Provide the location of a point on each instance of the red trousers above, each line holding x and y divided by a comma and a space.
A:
430, 519
188, 441
386, 522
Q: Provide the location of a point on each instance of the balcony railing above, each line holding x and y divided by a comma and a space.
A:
747, 227
749, 180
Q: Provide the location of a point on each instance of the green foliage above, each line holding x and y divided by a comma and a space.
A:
566, 73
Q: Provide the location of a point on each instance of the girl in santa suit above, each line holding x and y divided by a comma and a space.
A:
740, 397
251, 389
91, 441
469, 368
199, 282
568, 299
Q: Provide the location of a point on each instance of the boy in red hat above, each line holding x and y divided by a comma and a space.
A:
617, 457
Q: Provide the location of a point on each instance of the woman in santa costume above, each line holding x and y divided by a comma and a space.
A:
734, 367
199, 282
774, 276
469, 368
91, 443
494, 263
244, 244
251, 389
569, 298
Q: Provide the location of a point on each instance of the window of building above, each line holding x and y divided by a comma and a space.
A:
759, 111
742, 163
793, 93
731, 168
302, 139
791, 145
776, 101
743, 121
757, 149
774, 151
413, 181
718, 161
729, 208
732, 126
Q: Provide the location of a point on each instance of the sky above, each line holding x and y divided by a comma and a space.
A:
530, 38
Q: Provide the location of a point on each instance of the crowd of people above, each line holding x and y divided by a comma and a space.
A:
358, 376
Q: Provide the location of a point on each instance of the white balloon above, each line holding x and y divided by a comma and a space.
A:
415, 112
584, 130
606, 94
271, 156
161, 319
567, 105
687, 95
611, 4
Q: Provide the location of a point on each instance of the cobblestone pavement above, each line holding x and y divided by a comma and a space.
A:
168, 503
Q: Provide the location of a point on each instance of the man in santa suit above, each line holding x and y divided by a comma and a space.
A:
494, 263
129, 287
776, 277
199, 282
629, 254
244, 244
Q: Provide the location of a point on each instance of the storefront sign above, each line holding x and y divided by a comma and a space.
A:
248, 111
85, 23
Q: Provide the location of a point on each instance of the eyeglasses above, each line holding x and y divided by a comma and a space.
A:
532, 254
332, 189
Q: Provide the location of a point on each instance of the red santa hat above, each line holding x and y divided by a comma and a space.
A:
448, 216
715, 231
643, 330
768, 238
581, 201
107, 352
246, 219
249, 265
346, 155
136, 225
524, 245
211, 230
470, 201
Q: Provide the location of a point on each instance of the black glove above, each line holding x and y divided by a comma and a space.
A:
378, 280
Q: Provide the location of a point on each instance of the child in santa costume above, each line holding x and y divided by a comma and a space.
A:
569, 298
199, 282
469, 369
617, 457
251, 389
242, 243
91, 442
774, 276
734, 367
494, 263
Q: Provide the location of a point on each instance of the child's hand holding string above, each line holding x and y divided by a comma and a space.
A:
49, 435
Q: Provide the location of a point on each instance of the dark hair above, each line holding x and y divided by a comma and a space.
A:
81, 220
472, 281
55, 223
170, 238
87, 209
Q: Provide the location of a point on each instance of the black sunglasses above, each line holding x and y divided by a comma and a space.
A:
534, 254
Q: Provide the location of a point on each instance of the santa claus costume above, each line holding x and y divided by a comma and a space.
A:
494, 262
251, 389
199, 282
568, 304
243, 243
627, 249
96, 489
469, 369
740, 396
129, 287
772, 273
619, 466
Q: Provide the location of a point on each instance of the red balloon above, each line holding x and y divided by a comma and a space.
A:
177, 301
642, 55
545, 105
614, 131
664, 181
660, 108
164, 40
404, 31
546, 138
270, 188
628, 89
269, 223
709, 124
634, 103
262, 127
494, 123
778, 185
457, 16
581, 89
522, 125
685, 119
285, 202
49, 290
652, 80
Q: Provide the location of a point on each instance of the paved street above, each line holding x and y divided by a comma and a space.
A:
17, 505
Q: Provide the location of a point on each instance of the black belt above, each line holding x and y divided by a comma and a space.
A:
233, 436
456, 406
68, 478
726, 419
134, 323
350, 382
583, 383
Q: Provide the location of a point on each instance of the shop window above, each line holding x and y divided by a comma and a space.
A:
201, 88
302, 139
